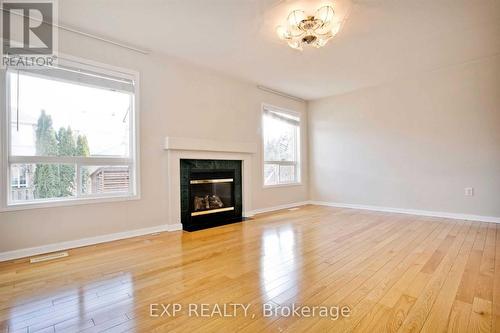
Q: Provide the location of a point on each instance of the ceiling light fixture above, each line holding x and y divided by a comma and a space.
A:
311, 30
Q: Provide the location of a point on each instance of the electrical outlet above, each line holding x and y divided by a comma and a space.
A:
469, 191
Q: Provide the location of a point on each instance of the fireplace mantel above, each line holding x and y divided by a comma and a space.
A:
177, 143
198, 149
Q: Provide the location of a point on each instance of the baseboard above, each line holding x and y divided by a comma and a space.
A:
447, 215
272, 209
32, 251
174, 227
28, 252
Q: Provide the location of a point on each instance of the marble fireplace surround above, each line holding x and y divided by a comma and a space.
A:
189, 148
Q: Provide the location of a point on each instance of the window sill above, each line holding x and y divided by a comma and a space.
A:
282, 185
68, 202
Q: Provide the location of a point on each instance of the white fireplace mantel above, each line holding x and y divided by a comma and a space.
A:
177, 143
191, 148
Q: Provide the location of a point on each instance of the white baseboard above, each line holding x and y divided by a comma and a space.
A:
174, 227
32, 251
271, 209
455, 216
28, 252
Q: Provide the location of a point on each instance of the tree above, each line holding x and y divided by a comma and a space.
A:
66, 146
46, 175
82, 149
46, 142
82, 146
57, 180
46, 181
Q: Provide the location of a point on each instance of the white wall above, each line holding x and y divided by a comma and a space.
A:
413, 143
177, 99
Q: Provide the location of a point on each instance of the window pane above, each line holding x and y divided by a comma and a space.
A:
287, 174
279, 140
281, 147
104, 179
18, 176
64, 118
42, 181
271, 174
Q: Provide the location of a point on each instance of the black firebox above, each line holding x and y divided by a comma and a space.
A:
211, 193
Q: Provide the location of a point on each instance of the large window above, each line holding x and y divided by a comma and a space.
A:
70, 133
281, 134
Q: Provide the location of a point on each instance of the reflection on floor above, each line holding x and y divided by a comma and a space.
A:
394, 272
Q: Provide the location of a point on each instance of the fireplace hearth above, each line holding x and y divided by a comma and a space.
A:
210, 193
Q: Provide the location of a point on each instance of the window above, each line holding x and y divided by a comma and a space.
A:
281, 134
19, 176
70, 133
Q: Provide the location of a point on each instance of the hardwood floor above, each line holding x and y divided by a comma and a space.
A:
396, 273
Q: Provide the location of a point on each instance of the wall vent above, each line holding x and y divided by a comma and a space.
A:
48, 257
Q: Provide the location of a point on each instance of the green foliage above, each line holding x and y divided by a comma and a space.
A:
57, 180
46, 181
46, 142
66, 146
82, 146
82, 149
46, 178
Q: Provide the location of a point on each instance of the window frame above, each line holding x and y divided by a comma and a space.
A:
298, 162
133, 161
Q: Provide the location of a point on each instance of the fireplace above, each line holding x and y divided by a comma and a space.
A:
210, 193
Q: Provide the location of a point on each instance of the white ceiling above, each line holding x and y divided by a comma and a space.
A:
380, 40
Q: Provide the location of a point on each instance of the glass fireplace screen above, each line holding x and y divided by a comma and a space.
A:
210, 196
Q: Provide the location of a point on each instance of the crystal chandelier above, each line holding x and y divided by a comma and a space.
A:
314, 30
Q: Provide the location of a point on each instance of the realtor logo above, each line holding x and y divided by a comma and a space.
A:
28, 29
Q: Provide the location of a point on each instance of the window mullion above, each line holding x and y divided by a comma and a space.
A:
131, 179
281, 162
78, 180
279, 173
70, 160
